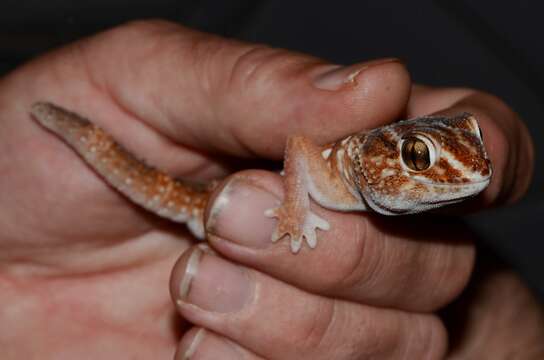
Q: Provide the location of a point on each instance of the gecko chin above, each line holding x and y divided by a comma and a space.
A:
419, 201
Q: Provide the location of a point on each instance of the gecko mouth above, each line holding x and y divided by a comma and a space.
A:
450, 201
430, 204
456, 185
422, 205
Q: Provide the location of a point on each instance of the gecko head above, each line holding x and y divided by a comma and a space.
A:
420, 164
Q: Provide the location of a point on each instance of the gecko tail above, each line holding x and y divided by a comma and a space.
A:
56, 119
146, 186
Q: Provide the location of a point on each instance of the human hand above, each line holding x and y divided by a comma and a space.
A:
83, 274
375, 287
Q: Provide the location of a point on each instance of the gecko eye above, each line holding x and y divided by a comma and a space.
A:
416, 154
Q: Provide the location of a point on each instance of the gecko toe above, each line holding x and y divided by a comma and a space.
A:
311, 238
317, 222
296, 245
276, 235
299, 231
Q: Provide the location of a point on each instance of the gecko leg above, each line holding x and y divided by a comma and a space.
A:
294, 216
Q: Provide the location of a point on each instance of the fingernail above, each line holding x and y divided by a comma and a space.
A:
237, 214
204, 345
213, 284
333, 77
189, 345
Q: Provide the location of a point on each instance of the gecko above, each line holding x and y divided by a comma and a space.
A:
406, 167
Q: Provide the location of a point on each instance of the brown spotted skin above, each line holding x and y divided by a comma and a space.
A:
460, 166
361, 172
175, 199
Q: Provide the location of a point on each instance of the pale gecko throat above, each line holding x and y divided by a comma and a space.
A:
407, 167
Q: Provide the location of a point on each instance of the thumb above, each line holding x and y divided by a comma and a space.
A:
222, 95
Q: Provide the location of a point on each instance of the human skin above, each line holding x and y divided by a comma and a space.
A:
85, 274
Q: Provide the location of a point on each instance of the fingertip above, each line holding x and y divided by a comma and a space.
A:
183, 273
382, 93
375, 91
238, 209
325, 103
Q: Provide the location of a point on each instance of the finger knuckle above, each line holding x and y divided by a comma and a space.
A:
258, 68
259, 64
252, 62
252, 72
361, 265
451, 272
426, 339
314, 331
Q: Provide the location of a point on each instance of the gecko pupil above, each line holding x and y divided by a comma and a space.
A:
415, 154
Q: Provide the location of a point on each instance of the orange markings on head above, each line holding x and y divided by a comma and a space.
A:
457, 164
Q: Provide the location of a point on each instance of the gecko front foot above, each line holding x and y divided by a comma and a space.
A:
298, 225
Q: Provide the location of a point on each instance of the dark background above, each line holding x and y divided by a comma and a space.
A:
490, 45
